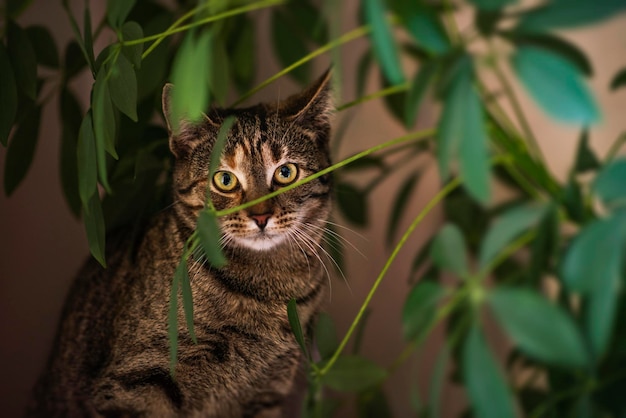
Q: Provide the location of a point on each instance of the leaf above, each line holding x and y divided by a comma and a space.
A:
309, 20
559, 14
118, 10
487, 21
243, 55
448, 250
23, 59
185, 285
491, 5
21, 150
94, 225
417, 91
383, 44
289, 47
15, 8
325, 336
43, 44
400, 205
353, 374
507, 227
619, 80
74, 60
544, 247
352, 203
420, 308
373, 404
585, 158
209, 234
88, 37
610, 184
8, 96
365, 63
220, 143
71, 118
423, 24
539, 328
87, 161
437, 382
220, 79
132, 31
104, 126
122, 85
296, 327
488, 392
556, 85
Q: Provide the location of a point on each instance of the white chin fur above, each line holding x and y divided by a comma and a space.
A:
260, 242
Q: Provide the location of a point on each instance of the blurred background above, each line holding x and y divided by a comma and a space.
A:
42, 245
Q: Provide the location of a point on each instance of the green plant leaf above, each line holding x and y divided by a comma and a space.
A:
610, 184
21, 150
185, 286
289, 47
487, 21
8, 96
509, 226
71, 118
87, 161
383, 43
243, 55
556, 85
220, 71
417, 92
296, 327
544, 247
94, 225
88, 37
373, 404
539, 328
352, 203
400, 205
74, 60
23, 59
310, 21
437, 382
15, 8
104, 125
448, 250
423, 24
619, 80
492, 5
353, 374
118, 10
488, 392
560, 14
325, 336
585, 158
130, 32
122, 85
209, 235
365, 63
420, 308
43, 45
220, 143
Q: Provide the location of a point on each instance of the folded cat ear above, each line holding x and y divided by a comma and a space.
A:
312, 106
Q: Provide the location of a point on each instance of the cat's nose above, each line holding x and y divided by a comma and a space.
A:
261, 219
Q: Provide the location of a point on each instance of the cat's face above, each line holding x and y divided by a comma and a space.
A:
268, 147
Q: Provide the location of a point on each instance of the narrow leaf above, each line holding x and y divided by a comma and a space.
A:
488, 392
585, 158
619, 80
87, 161
103, 116
384, 46
21, 150
560, 14
373, 404
94, 225
419, 309
243, 55
556, 85
539, 328
352, 203
448, 250
220, 143
43, 45
209, 233
610, 184
23, 59
185, 285
220, 72
423, 24
118, 10
130, 32
491, 5
325, 336
123, 87
88, 36
353, 374
8, 96
400, 205
437, 382
296, 327
289, 46
417, 92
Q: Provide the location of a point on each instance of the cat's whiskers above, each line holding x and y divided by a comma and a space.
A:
312, 245
291, 237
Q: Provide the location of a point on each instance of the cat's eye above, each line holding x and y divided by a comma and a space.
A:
225, 181
286, 174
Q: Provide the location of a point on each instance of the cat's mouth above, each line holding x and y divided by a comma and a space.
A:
261, 240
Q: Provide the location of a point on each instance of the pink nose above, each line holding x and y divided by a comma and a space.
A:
261, 219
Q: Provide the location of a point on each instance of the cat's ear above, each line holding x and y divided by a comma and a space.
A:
312, 106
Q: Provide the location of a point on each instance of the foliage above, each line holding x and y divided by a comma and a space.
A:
114, 157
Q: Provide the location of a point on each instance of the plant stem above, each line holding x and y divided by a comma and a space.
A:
418, 219
380, 93
621, 140
509, 250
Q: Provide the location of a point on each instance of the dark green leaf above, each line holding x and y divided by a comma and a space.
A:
104, 126
71, 117
88, 41
486, 21
185, 286
87, 161
153, 72
172, 316
420, 308
360, 332
8, 96
353, 374
489, 394
619, 80
74, 60
243, 55
384, 46
544, 247
373, 404
43, 45
289, 47
423, 24
559, 14
417, 92
366, 163
130, 32
400, 205
539, 328
21, 150
23, 59
610, 184
94, 225
492, 4
585, 158
325, 336
15, 8
507, 227
220, 69
574, 201
437, 382
353, 203
365, 63
556, 85
309, 20
209, 233
220, 143
123, 87
296, 327
118, 10
448, 250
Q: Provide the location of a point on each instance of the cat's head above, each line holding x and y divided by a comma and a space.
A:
269, 146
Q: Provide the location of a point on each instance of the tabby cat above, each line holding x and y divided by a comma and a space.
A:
111, 354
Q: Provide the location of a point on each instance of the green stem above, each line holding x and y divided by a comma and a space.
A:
381, 93
621, 140
509, 250
418, 219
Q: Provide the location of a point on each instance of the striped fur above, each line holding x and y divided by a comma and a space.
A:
110, 357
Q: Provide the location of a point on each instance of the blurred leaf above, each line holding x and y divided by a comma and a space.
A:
243, 55
187, 298
383, 43
122, 85
94, 225
21, 150
448, 250
153, 72
610, 184
43, 45
420, 308
296, 327
366, 163
220, 143
365, 63
71, 118
400, 205
209, 235
87, 161
308, 20
489, 394
486, 21
544, 247
492, 4
325, 336
15, 8
360, 332
423, 24
289, 47
353, 374
220, 66
8, 96
118, 10
539, 328
437, 382
559, 14
132, 31
23, 59
556, 85
373, 404
574, 201
352, 203
88, 37
74, 60
417, 92
619, 80
585, 158
509, 226
104, 126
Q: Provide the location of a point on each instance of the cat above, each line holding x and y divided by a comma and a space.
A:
111, 353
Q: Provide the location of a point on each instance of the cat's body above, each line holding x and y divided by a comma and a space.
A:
111, 354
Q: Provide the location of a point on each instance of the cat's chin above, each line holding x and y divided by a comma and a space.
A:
260, 242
